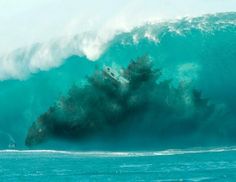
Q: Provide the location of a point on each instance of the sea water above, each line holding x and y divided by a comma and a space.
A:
199, 50
218, 164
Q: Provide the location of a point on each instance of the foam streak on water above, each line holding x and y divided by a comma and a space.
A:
122, 154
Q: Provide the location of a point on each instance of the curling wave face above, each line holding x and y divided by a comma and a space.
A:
44, 56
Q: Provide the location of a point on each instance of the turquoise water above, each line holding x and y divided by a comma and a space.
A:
172, 165
199, 51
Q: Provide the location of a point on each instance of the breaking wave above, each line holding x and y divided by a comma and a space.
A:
43, 56
199, 50
22, 62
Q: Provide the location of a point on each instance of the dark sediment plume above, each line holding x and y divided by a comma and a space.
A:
129, 106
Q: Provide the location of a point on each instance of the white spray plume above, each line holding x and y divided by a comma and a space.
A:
39, 35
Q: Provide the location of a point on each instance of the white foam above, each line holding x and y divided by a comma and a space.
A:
20, 63
122, 154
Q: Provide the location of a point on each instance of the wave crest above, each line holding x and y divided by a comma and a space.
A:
44, 56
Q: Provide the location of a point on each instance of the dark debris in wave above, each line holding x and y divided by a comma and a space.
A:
131, 106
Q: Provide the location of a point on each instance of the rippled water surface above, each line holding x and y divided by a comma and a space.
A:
172, 165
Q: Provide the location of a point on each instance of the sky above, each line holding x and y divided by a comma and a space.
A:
26, 22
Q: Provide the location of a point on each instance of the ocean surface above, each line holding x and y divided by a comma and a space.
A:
218, 164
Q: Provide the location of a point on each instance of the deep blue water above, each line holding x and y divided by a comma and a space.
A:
190, 165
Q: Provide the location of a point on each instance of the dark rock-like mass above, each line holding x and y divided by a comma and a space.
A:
131, 105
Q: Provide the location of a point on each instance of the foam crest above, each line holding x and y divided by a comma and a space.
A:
43, 56
22, 62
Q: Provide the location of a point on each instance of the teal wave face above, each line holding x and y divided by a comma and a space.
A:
199, 51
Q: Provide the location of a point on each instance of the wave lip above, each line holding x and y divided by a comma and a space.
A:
44, 56
22, 62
